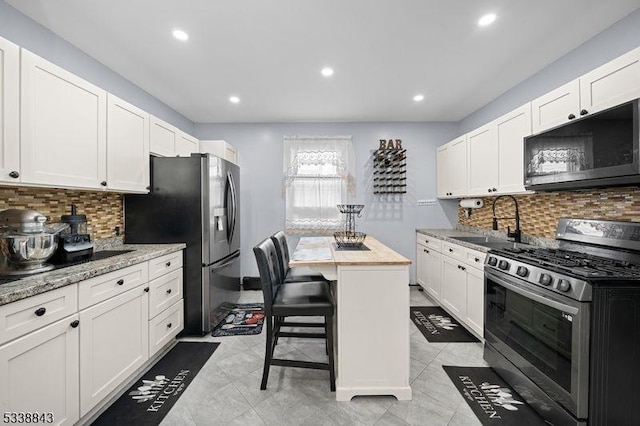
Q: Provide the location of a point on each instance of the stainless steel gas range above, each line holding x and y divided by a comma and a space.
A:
562, 326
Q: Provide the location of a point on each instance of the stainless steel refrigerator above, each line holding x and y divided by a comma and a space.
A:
194, 200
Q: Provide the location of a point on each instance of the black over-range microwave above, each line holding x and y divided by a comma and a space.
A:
600, 149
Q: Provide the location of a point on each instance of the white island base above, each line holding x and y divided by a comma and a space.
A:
372, 324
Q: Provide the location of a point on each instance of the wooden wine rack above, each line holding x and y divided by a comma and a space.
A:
390, 171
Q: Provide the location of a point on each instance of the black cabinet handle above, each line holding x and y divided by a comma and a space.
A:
169, 291
169, 325
477, 259
489, 190
146, 289
571, 116
120, 282
425, 250
462, 268
584, 112
450, 250
14, 174
40, 311
494, 189
75, 323
168, 264
103, 183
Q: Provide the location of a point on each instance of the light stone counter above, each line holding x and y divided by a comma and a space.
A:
46, 281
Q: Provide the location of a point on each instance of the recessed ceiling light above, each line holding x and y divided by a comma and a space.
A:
234, 99
418, 98
180, 35
327, 72
487, 19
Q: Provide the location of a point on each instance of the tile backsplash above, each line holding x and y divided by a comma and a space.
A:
539, 212
103, 209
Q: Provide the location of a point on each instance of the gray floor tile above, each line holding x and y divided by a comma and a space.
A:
227, 389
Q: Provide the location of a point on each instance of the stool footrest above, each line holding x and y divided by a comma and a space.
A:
297, 334
299, 364
301, 324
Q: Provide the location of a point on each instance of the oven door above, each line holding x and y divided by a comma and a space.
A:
544, 334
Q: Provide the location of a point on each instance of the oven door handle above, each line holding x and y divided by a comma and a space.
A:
534, 295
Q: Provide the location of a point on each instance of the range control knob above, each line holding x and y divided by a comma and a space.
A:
522, 271
493, 261
503, 264
546, 279
564, 285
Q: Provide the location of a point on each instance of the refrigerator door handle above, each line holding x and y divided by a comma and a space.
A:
231, 227
227, 263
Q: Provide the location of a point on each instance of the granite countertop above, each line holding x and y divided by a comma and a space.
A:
467, 231
445, 234
46, 281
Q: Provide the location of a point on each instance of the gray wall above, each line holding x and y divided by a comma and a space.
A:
619, 38
390, 218
23, 31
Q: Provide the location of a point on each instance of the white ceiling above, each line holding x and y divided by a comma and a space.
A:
270, 52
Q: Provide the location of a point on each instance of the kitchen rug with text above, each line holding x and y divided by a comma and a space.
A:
243, 319
491, 399
438, 326
150, 398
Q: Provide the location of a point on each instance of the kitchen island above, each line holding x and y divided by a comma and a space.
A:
371, 291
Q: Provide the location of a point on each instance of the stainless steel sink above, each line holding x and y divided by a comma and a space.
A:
490, 242
477, 240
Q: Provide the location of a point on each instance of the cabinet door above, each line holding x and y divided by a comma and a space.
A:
163, 138
454, 287
9, 112
422, 271
614, 83
482, 146
63, 127
442, 167
556, 107
434, 274
458, 167
40, 373
511, 130
475, 300
186, 145
118, 323
127, 146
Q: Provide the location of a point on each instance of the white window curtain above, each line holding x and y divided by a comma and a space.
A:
319, 171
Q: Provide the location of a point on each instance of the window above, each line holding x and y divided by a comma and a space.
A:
318, 173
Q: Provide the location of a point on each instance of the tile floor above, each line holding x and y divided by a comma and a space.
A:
227, 389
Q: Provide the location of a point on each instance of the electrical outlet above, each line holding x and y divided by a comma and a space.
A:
427, 202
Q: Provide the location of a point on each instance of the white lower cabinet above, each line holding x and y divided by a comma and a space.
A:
66, 351
454, 287
40, 374
113, 344
453, 276
475, 300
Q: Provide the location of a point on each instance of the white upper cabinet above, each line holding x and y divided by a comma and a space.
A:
613, 83
9, 112
511, 130
556, 107
127, 146
164, 138
220, 148
452, 168
482, 145
186, 145
63, 127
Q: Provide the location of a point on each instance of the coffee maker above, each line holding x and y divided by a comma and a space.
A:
74, 243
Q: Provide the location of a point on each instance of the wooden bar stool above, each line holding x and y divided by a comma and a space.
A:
305, 299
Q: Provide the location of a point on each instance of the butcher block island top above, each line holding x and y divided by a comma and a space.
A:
323, 251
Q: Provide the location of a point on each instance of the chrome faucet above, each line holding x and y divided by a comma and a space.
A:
517, 234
